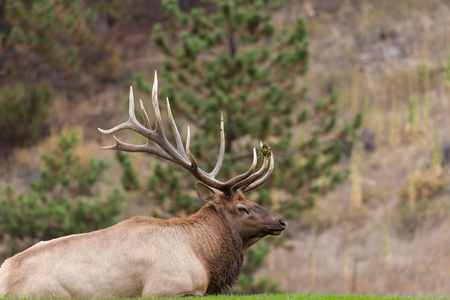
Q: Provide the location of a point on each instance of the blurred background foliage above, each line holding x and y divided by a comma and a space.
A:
23, 105
63, 200
371, 111
40, 44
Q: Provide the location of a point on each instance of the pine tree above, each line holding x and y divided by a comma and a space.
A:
45, 34
27, 109
235, 60
39, 39
63, 200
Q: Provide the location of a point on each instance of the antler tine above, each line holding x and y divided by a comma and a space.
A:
145, 116
262, 179
228, 186
230, 183
149, 147
194, 164
176, 133
199, 173
225, 187
242, 184
221, 149
132, 123
116, 146
158, 120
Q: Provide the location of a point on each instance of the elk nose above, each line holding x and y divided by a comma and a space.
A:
283, 222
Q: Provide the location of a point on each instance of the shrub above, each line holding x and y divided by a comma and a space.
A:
23, 111
422, 186
62, 201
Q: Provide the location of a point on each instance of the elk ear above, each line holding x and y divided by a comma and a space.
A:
208, 195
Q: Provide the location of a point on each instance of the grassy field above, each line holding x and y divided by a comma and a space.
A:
310, 297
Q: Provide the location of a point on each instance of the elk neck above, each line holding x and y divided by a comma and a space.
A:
219, 246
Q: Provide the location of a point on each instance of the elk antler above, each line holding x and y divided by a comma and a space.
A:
158, 144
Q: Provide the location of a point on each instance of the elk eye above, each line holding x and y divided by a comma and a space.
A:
242, 209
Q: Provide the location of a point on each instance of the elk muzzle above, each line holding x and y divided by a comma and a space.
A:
276, 228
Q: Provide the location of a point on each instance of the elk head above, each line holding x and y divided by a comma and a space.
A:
250, 220
225, 196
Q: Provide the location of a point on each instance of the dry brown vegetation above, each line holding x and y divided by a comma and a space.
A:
385, 230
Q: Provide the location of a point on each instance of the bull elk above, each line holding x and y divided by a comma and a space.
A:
149, 257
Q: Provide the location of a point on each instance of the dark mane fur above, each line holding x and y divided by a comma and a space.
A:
220, 247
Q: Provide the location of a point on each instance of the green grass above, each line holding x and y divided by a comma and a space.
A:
312, 297
309, 297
